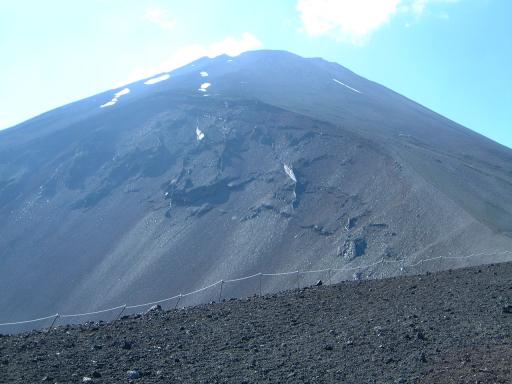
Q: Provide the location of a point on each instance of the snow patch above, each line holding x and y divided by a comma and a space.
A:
116, 97
108, 104
157, 79
122, 92
345, 85
290, 173
203, 74
199, 134
204, 87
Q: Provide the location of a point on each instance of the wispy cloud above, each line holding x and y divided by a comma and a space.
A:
418, 7
159, 16
354, 21
345, 20
232, 46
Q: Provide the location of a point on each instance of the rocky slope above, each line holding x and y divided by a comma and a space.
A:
232, 166
448, 327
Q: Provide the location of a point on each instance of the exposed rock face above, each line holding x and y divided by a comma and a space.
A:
354, 248
351, 223
280, 168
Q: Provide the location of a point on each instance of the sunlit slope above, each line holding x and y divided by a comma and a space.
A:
232, 166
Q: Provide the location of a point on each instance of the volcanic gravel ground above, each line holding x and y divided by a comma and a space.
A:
448, 327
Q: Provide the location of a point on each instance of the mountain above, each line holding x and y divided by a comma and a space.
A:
234, 165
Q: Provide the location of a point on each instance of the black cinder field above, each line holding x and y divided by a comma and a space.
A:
446, 327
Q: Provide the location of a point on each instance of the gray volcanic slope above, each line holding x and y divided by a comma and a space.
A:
302, 165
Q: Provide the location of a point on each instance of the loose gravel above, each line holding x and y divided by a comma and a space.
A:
447, 327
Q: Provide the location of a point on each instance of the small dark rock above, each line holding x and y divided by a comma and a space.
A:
46, 378
507, 308
96, 374
329, 347
319, 283
126, 345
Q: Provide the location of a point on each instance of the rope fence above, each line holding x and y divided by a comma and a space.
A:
53, 320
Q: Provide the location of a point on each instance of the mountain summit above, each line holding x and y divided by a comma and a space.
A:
234, 165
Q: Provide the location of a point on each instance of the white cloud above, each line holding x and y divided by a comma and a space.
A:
418, 7
232, 46
4, 124
355, 20
159, 17
346, 20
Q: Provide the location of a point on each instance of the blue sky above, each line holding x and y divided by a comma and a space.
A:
453, 56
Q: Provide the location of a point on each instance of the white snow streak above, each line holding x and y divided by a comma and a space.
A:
157, 79
199, 134
108, 104
122, 92
290, 173
345, 85
203, 74
116, 97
